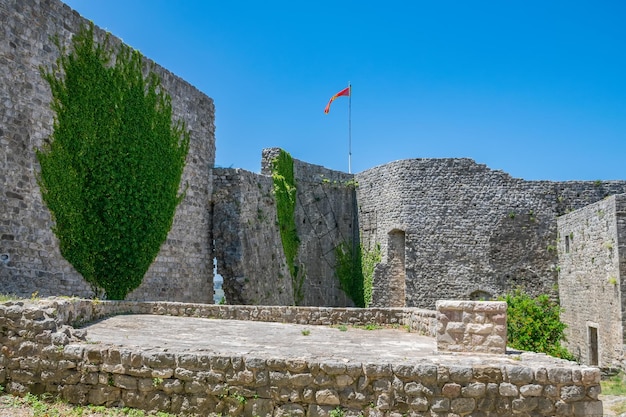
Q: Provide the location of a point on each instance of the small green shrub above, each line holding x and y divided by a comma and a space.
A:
369, 259
337, 412
534, 324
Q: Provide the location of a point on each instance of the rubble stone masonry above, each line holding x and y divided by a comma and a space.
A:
592, 256
29, 252
468, 232
42, 352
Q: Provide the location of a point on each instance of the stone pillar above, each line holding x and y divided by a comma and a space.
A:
471, 326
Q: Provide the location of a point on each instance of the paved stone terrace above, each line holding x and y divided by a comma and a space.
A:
178, 358
286, 340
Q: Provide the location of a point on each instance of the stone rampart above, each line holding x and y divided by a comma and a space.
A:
591, 246
31, 261
42, 353
248, 246
459, 230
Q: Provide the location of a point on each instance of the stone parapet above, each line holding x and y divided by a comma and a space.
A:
75, 312
471, 326
33, 359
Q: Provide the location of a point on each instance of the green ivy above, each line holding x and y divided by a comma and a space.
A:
349, 271
111, 170
369, 260
355, 271
285, 192
534, 324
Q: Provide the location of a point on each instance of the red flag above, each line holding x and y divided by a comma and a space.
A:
344, 92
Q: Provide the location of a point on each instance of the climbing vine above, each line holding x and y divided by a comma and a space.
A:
285, 192
349, 271
369, 260
355, 271
111, 170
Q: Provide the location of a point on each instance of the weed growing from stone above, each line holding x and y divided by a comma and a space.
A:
240, 398
8, 297
49, 406
369, 326
306, 332
337, 412
615, 385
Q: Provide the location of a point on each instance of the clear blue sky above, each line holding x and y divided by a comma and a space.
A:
534, 88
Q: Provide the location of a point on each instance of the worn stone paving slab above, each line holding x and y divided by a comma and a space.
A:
285, 340
260, 339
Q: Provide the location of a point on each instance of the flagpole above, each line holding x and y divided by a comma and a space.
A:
349, 128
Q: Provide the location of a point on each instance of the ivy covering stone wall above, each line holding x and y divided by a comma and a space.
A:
29, 252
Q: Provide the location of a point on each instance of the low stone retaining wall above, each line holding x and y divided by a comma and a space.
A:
41, 353
75, 312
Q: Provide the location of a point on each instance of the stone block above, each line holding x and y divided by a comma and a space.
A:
587, 408
462, 405
327, 397
451, 390
508, 390
531, 390
572, 393
474, 390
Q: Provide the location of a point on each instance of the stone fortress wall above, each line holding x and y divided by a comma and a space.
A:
29, 252
248, 247
592, 262
459, 230
448, 228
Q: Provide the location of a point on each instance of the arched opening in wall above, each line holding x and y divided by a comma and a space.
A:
396, 243
480, 295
